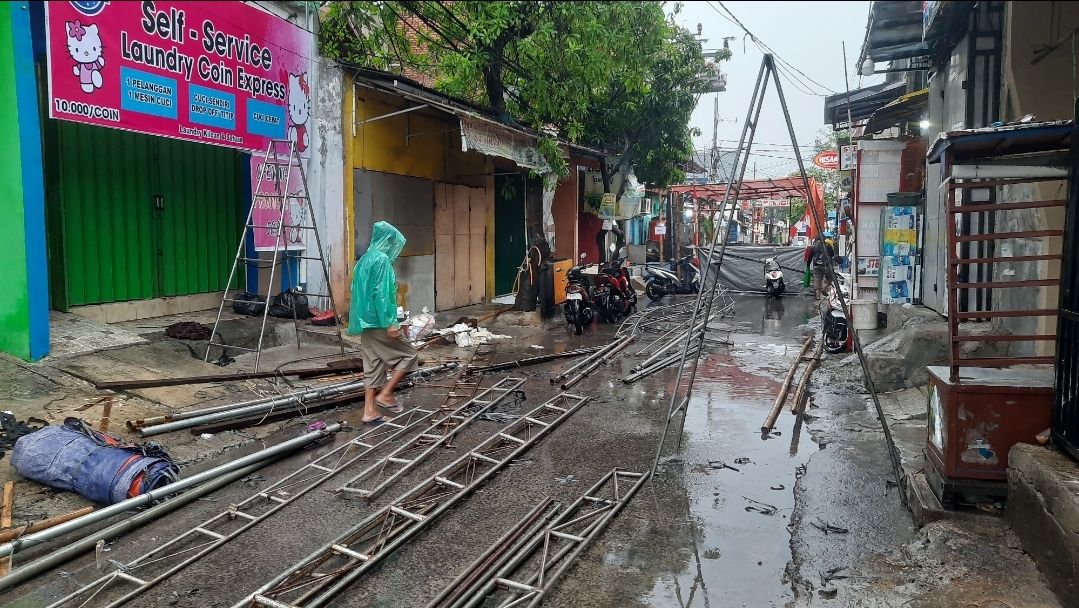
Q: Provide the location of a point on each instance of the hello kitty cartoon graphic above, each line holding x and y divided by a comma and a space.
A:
299, 109
84, 46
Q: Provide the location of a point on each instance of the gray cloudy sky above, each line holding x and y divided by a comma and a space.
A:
808, 35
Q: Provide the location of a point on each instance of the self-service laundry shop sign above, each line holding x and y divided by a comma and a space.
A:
224, 73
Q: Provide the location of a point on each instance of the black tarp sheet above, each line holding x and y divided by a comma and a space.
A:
742, 269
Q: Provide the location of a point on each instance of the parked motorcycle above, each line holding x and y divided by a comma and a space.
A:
773, 278
614, 296
662, 282
578, 306
834, 325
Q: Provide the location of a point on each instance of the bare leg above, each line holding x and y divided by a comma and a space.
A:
386, 395
370, 411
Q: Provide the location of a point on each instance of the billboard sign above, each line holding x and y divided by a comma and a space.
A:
269, 180
223, 73
829, 159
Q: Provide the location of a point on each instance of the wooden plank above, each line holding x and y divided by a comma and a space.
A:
997, 236
444, 209
13, 533
332, 368
477, 274
444, 271
8, 504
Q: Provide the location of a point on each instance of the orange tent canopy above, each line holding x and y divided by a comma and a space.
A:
748, 190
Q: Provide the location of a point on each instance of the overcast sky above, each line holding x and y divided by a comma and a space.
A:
807, 35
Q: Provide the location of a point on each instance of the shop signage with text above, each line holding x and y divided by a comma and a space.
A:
224, 73
829, 159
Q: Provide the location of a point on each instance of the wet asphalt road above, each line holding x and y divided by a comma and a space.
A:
713, 528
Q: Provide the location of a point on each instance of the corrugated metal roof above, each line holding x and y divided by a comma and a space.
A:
1005, 140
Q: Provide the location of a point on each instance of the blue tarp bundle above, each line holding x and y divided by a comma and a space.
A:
99, 467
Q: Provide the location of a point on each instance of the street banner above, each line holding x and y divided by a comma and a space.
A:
266, 210
223, 73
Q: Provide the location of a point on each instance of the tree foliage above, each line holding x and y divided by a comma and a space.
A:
614, 75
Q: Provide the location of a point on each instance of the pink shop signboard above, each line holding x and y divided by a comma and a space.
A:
223, 73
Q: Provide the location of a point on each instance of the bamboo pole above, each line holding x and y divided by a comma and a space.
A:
770, 421
803, 384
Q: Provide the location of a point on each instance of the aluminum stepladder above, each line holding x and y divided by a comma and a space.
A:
279, 164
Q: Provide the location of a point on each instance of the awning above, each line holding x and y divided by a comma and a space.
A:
479, 132
968, 145
894, 32
863, 102
912, 106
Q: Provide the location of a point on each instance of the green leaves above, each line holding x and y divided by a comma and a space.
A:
614, 75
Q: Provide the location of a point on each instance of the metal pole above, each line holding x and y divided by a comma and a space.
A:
756, 98
154, 495
588, 360
897, 467
309, 397
600, 361
75, 548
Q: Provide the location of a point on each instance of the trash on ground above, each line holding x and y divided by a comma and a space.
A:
417, 328
828, 528
188, 330
760, 507
719, 464
779, 487
466, 336
536, 346
98, 466
499, 417
206, 436
743, 460
11, 429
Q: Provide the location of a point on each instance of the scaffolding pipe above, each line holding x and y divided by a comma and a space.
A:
135, 425
586, 361
152, 496
655, 367
531, 360
770, 421
803, 383
310, 397
600, 361
75, 548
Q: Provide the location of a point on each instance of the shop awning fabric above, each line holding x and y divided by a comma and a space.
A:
749, 190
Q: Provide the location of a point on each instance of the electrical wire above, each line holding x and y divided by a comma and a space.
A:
763, 46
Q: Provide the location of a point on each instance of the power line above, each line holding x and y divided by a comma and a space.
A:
756, 40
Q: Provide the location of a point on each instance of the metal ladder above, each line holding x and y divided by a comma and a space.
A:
315, 580
386, 470
129, 580
280, 165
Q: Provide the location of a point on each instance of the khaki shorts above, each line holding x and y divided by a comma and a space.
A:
382, 353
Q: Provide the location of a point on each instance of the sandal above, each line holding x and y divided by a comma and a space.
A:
375, 421
395, 408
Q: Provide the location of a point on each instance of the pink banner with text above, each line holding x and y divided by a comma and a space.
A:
223, 73
272, 184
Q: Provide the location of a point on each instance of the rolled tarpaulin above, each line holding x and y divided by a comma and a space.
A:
97, 466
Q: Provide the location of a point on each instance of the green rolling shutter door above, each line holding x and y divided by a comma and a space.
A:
110, 241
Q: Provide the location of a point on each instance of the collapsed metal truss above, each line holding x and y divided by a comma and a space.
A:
527, 576
322, 575
702, 309
175, 554
389, 468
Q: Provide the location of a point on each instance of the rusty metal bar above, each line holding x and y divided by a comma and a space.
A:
998, 236
1008, 284
1016, 258
770, 420
1005, 338
531, 360
991, 207
992, 183
987, 314
1005, 361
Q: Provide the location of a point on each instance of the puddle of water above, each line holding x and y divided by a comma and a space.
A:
740, 553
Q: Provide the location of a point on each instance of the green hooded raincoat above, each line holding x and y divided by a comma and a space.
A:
374, 283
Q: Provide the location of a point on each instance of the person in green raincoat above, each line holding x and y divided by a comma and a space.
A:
373, 316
